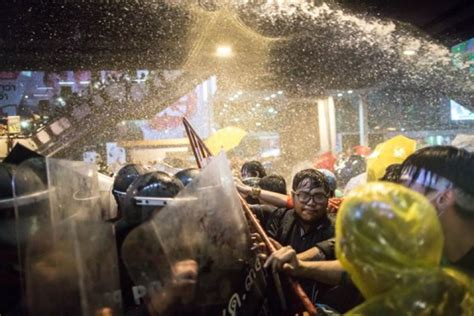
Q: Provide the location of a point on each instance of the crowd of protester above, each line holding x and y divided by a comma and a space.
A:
402, 245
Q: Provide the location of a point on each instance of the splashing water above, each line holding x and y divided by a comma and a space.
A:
300, 50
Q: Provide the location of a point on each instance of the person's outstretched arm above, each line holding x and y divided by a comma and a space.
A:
286, 259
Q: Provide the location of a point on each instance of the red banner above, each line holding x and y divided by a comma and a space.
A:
9, 75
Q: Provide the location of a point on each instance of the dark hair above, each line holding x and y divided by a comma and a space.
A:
316, 177
454, 164
392, 173
255, 168
274, 183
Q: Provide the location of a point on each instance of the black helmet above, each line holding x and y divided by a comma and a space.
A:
187, 175
6, 174
15, 230
28, 183
147, 193
126, 175
8, 254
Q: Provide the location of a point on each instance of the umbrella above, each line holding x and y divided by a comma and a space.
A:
225, 139
393, 151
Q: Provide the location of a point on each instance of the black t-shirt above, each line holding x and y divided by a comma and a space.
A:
285, 227
263, 212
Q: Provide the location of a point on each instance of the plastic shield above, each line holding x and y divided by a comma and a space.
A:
10, 288
205, 225
72, 270
51, 198
47, 191
55, 190
107, 200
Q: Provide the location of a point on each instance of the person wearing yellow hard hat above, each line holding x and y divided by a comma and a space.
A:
390, 241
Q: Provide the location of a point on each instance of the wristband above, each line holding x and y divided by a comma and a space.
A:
255, 193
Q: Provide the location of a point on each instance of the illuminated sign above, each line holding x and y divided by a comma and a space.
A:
460, 113
463, 55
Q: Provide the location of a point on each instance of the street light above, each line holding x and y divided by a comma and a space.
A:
223, 51
409, 52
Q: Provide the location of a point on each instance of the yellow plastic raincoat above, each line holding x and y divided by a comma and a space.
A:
390, 241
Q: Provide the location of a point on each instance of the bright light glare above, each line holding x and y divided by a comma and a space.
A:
25, 124
409, 52
223, 51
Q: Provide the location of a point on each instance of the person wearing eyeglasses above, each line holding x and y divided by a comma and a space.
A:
307, 228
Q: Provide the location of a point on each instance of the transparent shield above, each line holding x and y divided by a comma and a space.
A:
76, 266
74, 189
54, 190
204, 225
107, 201
51, 197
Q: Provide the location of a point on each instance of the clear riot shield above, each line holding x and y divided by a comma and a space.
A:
204, 226
10, 286
56, 189
107, 201
48, 192
73, 271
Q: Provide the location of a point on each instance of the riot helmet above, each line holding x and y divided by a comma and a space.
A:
16, 227
126, 175
147, 193
6, 174
187, 175
10, 291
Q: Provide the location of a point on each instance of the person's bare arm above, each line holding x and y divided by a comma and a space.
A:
310, 254
329, 272
286, 259
273, 198
323, 250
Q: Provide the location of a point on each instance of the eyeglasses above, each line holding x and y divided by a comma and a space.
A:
305, 197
